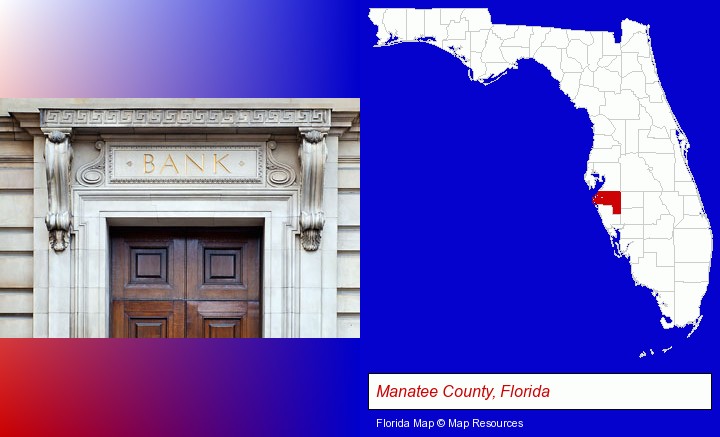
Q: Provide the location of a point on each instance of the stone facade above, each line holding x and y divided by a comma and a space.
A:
70, 170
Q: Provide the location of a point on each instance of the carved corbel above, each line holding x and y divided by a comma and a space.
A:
313, 153
58, 159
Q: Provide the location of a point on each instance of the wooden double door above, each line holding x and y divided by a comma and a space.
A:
185, 283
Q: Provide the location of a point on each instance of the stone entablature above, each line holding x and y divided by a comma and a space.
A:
312, 126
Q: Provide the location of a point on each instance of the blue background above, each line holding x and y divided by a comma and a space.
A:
481, 249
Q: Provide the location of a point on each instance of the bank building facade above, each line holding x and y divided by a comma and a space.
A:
149, 218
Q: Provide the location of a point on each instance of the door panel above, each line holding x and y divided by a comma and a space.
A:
148, 265
175, 283
222, 319
223, 266
148, 319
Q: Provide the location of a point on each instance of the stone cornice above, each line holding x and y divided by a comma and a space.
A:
174, 118
28, 125
345, 122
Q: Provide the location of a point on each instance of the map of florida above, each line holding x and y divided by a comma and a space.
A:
647, 200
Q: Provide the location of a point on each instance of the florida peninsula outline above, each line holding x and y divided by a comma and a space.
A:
647, 199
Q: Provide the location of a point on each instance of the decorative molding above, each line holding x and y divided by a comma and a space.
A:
348, 159
29, 123
96, 209
315, 118
256, 179
17, 159
11, 130
93, 173
58, 160
278, 174
313, 154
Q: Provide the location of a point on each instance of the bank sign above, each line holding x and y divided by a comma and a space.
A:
187, 164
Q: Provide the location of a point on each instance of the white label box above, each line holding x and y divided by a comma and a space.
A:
540, 391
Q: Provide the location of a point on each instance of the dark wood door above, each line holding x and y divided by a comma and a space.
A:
183, 283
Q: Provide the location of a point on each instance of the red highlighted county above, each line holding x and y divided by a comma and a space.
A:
611, 198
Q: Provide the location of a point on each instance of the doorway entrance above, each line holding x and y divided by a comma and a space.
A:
195, 283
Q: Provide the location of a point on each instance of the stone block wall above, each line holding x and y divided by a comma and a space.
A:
348, 260
16, 236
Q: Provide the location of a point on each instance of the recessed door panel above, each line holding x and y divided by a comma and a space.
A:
148, 319
226, 267
222, 319
148, 265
